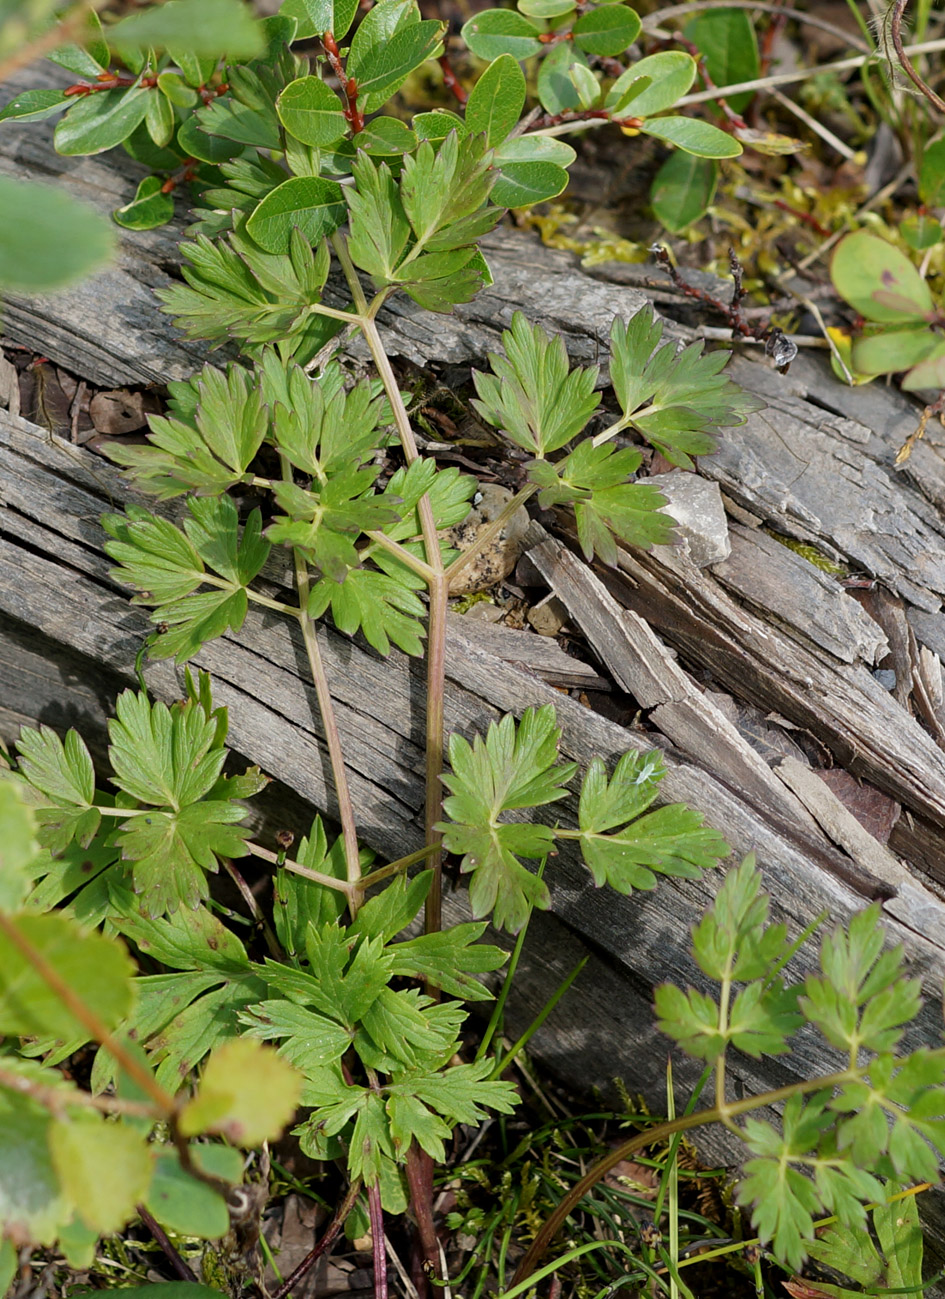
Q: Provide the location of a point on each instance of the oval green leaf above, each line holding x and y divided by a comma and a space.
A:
47, 239
183, 1204
920, 232
311, 111
497, 100
437, 125
669, 76
894, 350
726, 40
556, 87
386, 137
501, 31
606, 31
315, 205
34, 105
878, 280
173, 85
385, 67
90, 54
932, 175
546, 8
148, 208
693, 135
101, 120
682, 190
521, 184
315, 17
929, 373
535, 148
586, 85
208, 28
195, 143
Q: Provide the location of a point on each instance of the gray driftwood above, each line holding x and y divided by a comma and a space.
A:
767, 629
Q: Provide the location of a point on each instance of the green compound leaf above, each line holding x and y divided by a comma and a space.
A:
513, 767
671, 841
693, 135
502, 31
316, 17
734, 939
63, 774
532, 395
169, 759
449, 960
879, 281
35, 254
311, 111
246, 1094
684, 394
497, 100
211, 450
100, 121
149, 208
312, 204
862, 1001
652, 85
382, 607
607, 30
595, 480
97, 968
682, 190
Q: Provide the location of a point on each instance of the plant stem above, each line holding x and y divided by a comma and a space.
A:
378, 1249
96, 1027
420, 1184
403, 554
56, 1100
395, 867
332, 738
718, 1114
329, 881
183, 1269
327, 1240
437, 583
488, 533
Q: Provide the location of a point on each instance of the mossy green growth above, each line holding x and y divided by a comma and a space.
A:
811, 554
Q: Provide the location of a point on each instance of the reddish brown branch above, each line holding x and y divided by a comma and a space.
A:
895, 32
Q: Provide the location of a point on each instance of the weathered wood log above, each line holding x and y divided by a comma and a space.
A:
816, 465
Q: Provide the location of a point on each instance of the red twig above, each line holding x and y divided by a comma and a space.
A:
377, 1241
108, 81
348, 84
895, 32
328, 1239
777, 345
450, 80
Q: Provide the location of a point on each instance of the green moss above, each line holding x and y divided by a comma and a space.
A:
811, 554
